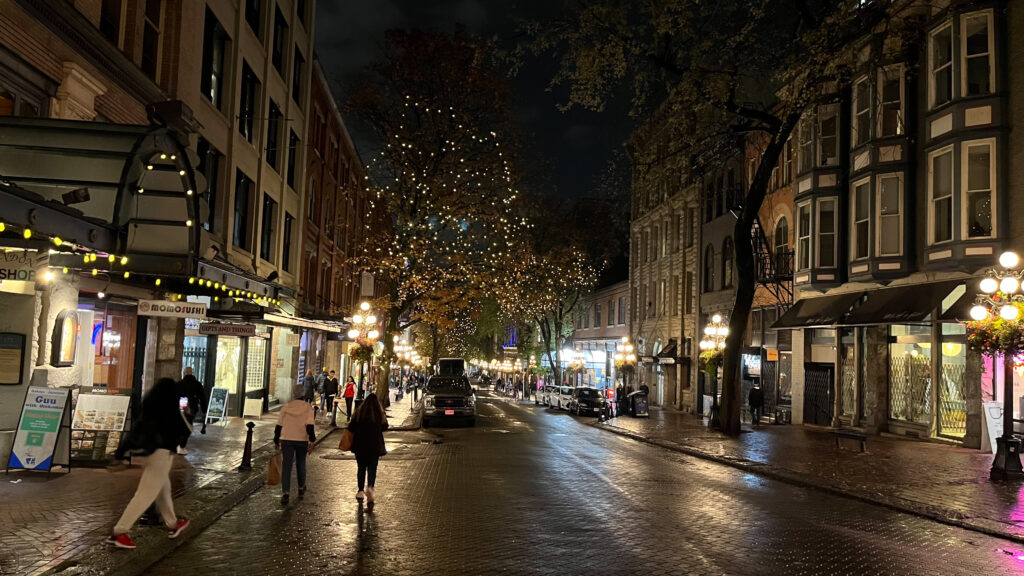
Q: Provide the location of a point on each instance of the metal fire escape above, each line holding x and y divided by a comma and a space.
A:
774, 270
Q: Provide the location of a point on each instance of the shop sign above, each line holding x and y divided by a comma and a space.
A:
292, 339
17, 266
218, 406
666, 360
219, 329
42, 418
98, 424
771, 355
172, 309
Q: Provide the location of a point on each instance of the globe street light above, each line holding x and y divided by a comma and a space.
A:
1000, 300
713, 347
364, 327
625, 360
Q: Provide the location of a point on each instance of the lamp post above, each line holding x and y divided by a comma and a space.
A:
364, 327
625, 364
713, 346
999, 301
531, 369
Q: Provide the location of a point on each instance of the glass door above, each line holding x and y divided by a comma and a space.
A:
229, 356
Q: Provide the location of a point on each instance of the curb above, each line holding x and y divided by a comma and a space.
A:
202, 507
937, 513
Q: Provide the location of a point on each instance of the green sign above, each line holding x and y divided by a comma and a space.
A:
40, 424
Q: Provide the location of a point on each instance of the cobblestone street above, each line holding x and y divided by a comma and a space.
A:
533, 491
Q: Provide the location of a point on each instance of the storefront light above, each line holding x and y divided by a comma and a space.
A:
27, 233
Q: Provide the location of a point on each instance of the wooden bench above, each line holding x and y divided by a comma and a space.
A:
852, 435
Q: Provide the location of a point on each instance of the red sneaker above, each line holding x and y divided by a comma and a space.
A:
178, 528
121, 541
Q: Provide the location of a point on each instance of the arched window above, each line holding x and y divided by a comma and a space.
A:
728, 263
709, 268
781, 247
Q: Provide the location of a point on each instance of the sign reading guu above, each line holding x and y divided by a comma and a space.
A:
40, 424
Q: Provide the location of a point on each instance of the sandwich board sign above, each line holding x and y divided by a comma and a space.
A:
218, 406
44, 416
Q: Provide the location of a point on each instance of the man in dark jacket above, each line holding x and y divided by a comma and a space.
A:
191, 389
156, 436
308, 386
756, 401
330, 390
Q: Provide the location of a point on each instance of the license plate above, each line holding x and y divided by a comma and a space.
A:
597, 409
449, 412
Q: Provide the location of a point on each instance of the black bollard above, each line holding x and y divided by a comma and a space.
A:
246, 464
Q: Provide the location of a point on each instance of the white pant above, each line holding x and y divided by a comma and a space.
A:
155, 485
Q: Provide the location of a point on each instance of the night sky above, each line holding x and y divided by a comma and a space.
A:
577, 145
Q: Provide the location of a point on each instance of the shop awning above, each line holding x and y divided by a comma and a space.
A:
960, 311
289, 321
818, 311
667, 355
911, 303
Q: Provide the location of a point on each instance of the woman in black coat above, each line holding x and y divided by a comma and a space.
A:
368, 425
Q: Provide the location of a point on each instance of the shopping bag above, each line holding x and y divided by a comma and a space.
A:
346, 440
274, 469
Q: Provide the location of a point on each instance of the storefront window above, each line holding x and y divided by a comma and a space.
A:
785, 378
910, 381
113, 340
285, 372
229, 352
847, 372
194, 355
952, 399
255, 367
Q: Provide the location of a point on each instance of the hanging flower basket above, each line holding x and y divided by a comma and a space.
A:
362, 353
996, 335
710, 361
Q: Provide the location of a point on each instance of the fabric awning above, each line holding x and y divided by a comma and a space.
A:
911, 303
667, 352
818, 311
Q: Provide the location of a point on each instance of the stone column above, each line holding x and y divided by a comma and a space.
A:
797, 388
876, 379
170, 345
972, 399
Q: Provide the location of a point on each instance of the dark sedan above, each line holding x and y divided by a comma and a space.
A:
586, 401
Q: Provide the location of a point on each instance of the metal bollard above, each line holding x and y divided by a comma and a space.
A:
246, 464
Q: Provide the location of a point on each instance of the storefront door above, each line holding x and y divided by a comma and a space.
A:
255, 368
229, 358
849, 384
910, 374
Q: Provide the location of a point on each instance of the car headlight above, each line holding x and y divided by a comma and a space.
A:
470, 401
428, 401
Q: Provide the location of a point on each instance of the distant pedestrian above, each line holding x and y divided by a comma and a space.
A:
321, 382
156, 436
294, 435
331, 390
308, 387
349, 394
756, 401
368, 425
190, 389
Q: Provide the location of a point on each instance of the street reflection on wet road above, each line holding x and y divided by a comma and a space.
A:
531, 490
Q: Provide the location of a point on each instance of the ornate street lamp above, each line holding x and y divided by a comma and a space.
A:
713, 348
364, 327
625, 360
997, 327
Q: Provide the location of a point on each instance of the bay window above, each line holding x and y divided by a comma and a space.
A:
861, 218
978, 173
940, 65
890, 214
890, 101
940, 195
861, 111
803, 234
826, 233
828, 135
976, 53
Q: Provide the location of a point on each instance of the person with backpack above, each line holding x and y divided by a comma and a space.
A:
367, 426
349, 394
295, 436
155, 436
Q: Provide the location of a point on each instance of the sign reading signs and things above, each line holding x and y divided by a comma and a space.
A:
172, 309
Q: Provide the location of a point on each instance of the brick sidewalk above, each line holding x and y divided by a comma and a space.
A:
942, 482
46, 520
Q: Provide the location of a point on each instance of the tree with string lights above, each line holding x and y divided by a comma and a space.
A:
441, 182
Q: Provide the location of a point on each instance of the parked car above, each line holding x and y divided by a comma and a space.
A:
560, 397
586, 401
548, 394
449, 398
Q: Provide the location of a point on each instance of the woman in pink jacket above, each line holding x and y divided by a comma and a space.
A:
294, 434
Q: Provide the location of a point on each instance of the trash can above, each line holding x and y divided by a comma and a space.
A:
638, 404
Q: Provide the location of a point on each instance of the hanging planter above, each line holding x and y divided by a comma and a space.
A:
995, 334
711, 361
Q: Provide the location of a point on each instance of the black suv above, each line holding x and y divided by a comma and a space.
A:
586, 401
449, 397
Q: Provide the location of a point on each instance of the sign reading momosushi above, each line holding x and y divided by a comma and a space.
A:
172, 309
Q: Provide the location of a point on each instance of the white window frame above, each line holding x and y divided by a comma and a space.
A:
835, 230
857, 138
854, 221
800, 238
987, 14
965, 205
902, 130
931, 194
824, 111
878, 213
931, 64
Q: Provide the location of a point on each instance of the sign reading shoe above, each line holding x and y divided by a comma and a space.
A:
172, 309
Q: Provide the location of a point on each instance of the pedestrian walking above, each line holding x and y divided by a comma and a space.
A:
156, 436
756, 401
350, 394
368, 425
331, 390
191, 389
294, 435
308, 387
321, 381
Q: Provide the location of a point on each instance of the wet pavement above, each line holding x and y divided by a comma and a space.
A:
532, 491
